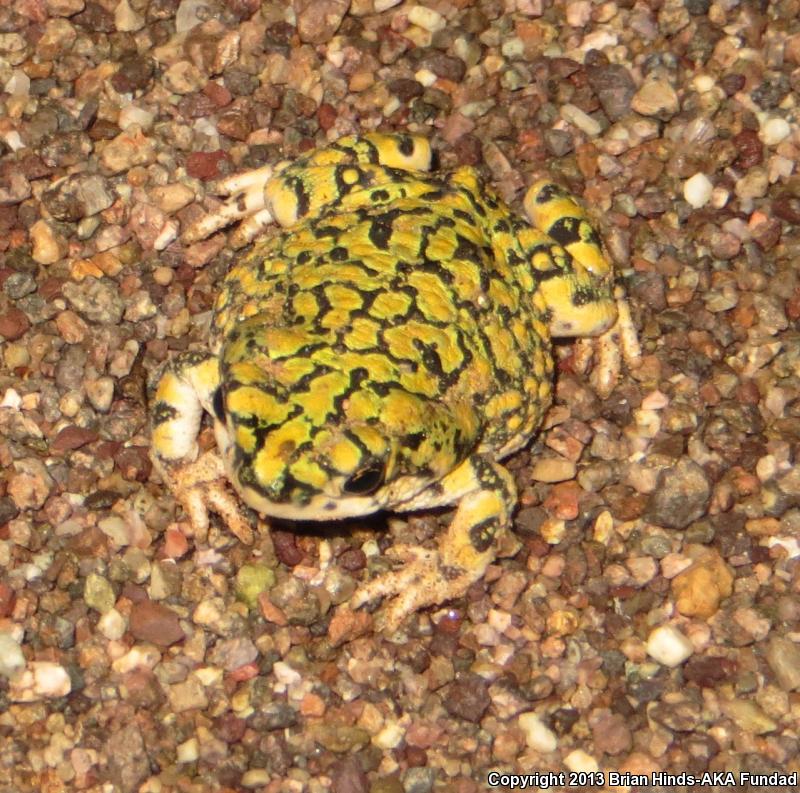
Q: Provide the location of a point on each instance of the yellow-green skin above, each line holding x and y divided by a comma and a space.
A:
387, 347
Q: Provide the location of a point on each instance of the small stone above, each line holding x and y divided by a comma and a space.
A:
611, 734
13, 324
251, 581
347, 776
339, 738
71, 438
697, 190
681, 496
11, 656
255, 778
112, 625
98, 593
204, 164
318, 20
30, 484
48, 245
64, 8
231, 654
583, 121
100, 392
774, 131
553, 469
667, 645
699, 589
126, 19
128, 149
189, 14
40, 680
426, 18
152, 622
537, 735
783, 657
579, 761
748, 716
657, 98
127, 757
467, 698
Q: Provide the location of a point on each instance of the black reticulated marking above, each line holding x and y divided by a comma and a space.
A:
566, 230
303, 199
405, 144
548, 192
379, 195
339, 254
583, 296
218, 403
482, 534
380, 232
162, 412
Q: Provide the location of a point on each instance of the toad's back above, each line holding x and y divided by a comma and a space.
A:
404, 282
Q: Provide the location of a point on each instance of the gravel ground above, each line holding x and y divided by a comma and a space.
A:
650, 618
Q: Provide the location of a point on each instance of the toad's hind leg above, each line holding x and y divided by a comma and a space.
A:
486, 496
576, 282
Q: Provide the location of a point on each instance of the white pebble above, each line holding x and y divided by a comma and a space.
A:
774, 131
425, 77
385, 5
426, 18
11, 657
188, 751
537, 735
581, 762
583, 121
255, 777
112, 625
285, 674
697, 190
41, 680
667, 645
131, 114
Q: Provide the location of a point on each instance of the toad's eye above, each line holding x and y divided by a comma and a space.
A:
367, 480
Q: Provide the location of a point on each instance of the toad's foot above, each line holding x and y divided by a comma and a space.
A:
423, 580
200, 487
619, 343
486, 495
245, 203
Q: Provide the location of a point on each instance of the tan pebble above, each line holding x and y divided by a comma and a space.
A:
169, 198
656, 98
553, 469
699, 589
763, 527
71, 327
48, 245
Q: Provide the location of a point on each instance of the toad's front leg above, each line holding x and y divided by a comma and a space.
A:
486, 496
185, 389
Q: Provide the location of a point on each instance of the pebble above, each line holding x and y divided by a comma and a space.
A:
553, 469
748, 716
126, 19
699, 589
112, 625
11, 656
583, 121
697, 190
467, 698
579, 762
783, 657
774, 130
318, 20
426, 18
657, 98
667, 645
155, 623
537, 735
13, 324
681, 496
48, 245
40, 680
98, 593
